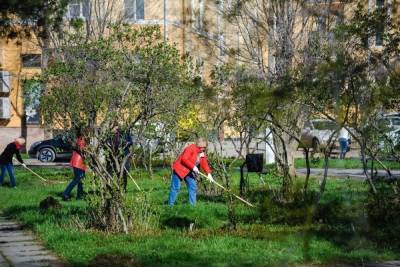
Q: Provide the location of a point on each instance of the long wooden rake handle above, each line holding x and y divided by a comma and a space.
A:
130, 176
39, 176
225, 189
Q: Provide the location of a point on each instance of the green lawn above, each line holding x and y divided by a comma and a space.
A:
270, 235
351, 163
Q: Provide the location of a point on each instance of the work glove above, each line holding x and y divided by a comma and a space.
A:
196, 170
202, 155
210, 178
23, 165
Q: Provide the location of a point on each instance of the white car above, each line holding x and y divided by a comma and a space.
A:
391, 121
316, 134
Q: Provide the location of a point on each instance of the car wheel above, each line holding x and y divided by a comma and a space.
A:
47, 155
315, 145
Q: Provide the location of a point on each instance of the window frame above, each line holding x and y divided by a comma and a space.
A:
134, 7
198, 6
5, 110
380, 29
81, 4
33, 55
5, 82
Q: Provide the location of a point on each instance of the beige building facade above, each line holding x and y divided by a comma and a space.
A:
197, 27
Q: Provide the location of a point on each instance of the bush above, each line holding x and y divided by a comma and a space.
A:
383, 211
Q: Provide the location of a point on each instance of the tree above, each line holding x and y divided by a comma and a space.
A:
129, 78
359, 79
274, 42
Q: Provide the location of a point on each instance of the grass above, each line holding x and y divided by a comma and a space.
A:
270, 235
349, 163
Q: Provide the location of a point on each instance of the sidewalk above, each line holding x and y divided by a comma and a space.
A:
352, 173
20, 249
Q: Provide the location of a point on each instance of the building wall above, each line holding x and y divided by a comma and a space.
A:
10, 61
175, 20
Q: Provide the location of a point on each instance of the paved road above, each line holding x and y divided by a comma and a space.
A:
352, 173
383, 264
20, 249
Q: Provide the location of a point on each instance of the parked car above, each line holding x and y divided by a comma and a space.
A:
316, 134
390, 120
52, 149
392, 136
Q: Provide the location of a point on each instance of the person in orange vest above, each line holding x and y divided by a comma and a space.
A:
186, 167
6, 158
78, 165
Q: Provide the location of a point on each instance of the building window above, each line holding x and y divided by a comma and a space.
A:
197, 14
4, 81
134, 9
31, 60
78, 9
380, 28
32, 93
379, 34
380, 3
5, 108
321, 23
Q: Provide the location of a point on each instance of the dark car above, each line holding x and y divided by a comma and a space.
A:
50, 150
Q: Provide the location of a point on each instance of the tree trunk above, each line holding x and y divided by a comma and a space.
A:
284, 159
307, 156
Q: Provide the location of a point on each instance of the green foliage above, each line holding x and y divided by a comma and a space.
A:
352, 73
384, 213
130, 79
18, 19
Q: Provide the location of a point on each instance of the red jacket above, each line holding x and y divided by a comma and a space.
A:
77, 159
187, 160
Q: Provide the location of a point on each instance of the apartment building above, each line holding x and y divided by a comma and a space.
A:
197, 27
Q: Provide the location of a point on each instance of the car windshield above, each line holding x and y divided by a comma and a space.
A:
396, 121
324, 125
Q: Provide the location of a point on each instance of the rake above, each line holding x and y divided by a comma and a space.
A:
227, 190
41, 177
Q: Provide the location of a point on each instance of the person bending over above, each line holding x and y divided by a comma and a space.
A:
6, 160
186, 167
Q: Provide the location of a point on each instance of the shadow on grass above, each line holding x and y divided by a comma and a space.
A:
34, 216
178, 222
114, 260
210, 198
172, 258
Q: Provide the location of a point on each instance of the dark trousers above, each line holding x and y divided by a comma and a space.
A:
78, 176
112, 169
344, 147
10, 169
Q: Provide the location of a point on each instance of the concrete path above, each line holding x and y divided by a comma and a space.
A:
383, 264
20, 249
352, 173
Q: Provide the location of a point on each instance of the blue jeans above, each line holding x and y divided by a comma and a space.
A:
344, 147
176, 186
78, 176
10, 169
